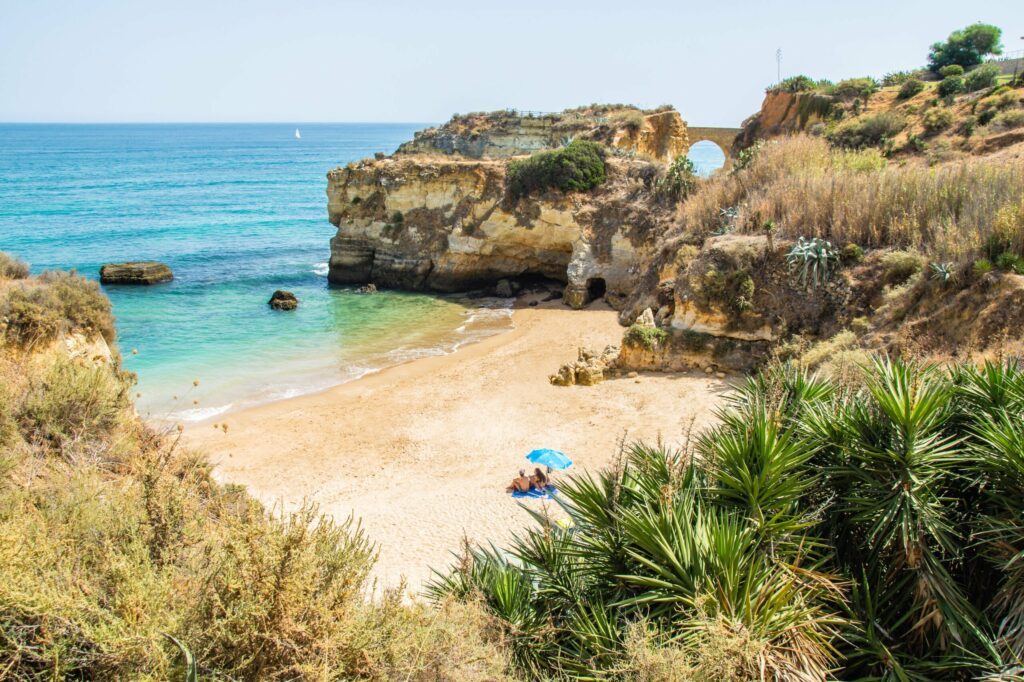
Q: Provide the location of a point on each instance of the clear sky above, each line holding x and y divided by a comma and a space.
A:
406, 60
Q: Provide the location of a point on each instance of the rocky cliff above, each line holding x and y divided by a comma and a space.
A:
659, 135
438, 215
448, 224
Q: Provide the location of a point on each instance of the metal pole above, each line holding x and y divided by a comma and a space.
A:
778, 65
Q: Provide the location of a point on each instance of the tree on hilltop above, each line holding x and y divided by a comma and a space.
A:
967, 47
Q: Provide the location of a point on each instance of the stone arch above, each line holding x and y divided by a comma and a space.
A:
725, 138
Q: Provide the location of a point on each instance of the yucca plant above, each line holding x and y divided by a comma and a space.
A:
867, 533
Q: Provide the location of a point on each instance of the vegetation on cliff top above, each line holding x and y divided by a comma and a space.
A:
576, 167
870, 533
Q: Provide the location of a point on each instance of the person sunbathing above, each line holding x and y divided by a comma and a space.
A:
522, 483
539, 481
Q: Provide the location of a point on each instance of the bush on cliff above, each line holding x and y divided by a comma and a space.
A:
799, 83
868, 131
576, 167
869, 530
910, 87
57, 302
12, 268
644, 336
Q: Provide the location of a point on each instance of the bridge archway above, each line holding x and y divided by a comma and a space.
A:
707, 157
723, 138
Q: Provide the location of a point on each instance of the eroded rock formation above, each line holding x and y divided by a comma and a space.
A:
446, 224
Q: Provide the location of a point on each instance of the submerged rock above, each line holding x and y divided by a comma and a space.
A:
137, 272
368, 289
283, 300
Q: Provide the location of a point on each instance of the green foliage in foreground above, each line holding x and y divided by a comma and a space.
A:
818, 531
576, 167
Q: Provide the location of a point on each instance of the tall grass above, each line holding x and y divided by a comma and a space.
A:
809, 189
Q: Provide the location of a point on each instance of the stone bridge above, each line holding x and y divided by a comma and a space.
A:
723, 137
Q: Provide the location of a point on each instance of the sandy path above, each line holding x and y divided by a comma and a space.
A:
422, 452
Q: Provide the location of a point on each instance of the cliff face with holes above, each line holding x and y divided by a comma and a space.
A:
437, 215
431, 223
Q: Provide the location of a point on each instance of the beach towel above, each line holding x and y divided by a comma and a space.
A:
537, 494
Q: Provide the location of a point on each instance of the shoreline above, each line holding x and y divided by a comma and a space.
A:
421, 452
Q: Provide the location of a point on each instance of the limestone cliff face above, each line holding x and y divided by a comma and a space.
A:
446, 224
662, 136
785, 113
658, 135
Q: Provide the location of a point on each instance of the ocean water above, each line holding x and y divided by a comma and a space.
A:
237, 211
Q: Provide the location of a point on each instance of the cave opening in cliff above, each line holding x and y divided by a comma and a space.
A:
595, 288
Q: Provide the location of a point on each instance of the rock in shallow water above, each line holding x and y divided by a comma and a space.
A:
283, 300
140, 272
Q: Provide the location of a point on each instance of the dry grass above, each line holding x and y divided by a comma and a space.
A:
39, 310
809, 189
112, 537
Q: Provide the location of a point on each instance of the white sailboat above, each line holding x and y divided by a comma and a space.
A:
298, 135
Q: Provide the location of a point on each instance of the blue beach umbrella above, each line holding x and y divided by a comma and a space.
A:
550, 458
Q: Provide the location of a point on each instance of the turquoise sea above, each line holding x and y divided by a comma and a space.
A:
237, 210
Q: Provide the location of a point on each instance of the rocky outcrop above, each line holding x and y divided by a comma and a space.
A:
138, 272
785, 113
447, 224
659, 135
283, 300
588, 369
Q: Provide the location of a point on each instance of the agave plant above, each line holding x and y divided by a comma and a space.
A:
816, 258
942, 272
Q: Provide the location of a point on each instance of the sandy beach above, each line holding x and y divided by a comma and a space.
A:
422, 452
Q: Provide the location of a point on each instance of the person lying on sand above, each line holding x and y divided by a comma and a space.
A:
522, 483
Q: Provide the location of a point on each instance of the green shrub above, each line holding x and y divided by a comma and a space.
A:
1009, 119
643, 336
680, 178
397, 218
73, 401
981, 267
799, 83
853, 88
851, 254
33, 315
951, 85
868, 130
982, 77
937, 120
12, 268
58, 301
951, 70
576, 167
985, 117
899, 266
1010, 262
910, 88
898, 78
